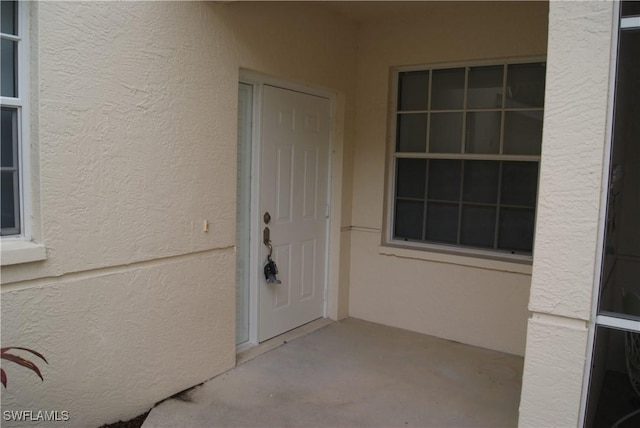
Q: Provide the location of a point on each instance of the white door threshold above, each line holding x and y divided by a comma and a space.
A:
249, 354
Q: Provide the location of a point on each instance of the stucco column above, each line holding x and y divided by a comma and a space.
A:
565, 254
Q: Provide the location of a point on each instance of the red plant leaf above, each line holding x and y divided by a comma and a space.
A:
22, 362
3, 376
37, 354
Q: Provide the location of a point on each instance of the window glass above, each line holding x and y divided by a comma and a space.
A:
8, 196
485, 87
615, 380
481, 181
10, 209
8, 52
630, 8
411, 178
483, 132
442, 222
525, 85
519, 183
7, 130
444, 179
622, 236
409, 218
9, 15
614, 384
478, 226
516, 229
447, 89
471, 178
445, 134
523, 132
413, 90
412, 133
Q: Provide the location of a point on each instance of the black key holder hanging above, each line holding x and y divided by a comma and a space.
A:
270, 268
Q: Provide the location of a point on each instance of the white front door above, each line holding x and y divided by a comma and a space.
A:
293, 190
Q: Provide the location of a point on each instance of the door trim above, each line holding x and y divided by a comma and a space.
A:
258, 80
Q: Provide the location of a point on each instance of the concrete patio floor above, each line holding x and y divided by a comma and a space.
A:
354, 373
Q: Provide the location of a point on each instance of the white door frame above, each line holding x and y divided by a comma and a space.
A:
258, 80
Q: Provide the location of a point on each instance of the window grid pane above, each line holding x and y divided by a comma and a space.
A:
525, 85
447, 89
442, 222
409, 219
470, 112
478, 224
9, 65
9, 15
410, 179
8, 128
10, 203
10, 192
483, 204
483, 132
413, 90
445, 132
485, 87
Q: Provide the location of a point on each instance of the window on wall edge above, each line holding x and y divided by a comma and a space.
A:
19, 245
13, 118
465, 157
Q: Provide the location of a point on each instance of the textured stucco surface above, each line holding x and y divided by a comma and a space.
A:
568, 211
134, 107
134, 127
553, 373
429, 297
572, 157
132, 134
476, 306
118, 342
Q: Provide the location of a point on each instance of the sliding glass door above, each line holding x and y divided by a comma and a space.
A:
614, 388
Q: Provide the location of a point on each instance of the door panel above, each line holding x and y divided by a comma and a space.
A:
293, 189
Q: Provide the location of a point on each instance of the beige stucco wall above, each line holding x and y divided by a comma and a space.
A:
564, 268
458, 298
134, 123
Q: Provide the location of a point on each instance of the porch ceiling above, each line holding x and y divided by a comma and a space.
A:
373, 11
370, 11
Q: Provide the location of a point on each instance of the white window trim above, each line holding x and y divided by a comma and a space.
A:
22, 248
457, 257
392, 246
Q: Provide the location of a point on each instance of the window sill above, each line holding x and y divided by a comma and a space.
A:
13, 252
521, 265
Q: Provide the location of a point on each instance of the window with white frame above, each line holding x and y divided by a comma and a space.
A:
12, 115
466, 153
